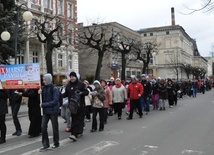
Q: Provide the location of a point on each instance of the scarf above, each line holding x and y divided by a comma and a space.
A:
118, 85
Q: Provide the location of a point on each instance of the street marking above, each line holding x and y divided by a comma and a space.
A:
98, 148
19, 145
151, 147
36, 151
191, 151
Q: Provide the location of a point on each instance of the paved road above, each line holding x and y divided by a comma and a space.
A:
187, 129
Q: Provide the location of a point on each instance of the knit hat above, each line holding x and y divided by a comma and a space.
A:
73, 74
97, 82
143, 75
112, 78
133, 77
48, 78
118, 79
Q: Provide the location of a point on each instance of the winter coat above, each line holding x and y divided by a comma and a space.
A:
50, 100
147, 87
162, 91
155, 88
33, 98
134, 89
3, 102
119, 95
100, 94
170, 89
108, 97
64, 100
88, 98
74, 88
14, 98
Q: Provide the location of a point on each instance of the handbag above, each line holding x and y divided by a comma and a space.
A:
97, 103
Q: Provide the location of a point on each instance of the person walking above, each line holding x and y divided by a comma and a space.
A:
50, 106
15, 103
135, 91
119, 96
88, 100
162, 95
145, 99
34, 111
108, 99
3, 112
65, 113
76, 90
170, 92
195, 88
155, 95
98, 98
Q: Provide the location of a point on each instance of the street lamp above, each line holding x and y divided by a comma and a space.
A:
5, 36
27, 16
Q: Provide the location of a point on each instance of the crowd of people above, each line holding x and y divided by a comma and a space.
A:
81, 102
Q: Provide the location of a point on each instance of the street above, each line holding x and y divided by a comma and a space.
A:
187, 129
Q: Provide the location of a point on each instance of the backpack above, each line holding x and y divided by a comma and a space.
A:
74, 104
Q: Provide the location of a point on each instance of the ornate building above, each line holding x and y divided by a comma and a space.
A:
65, 57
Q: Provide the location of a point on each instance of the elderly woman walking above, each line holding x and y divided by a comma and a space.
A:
119, 96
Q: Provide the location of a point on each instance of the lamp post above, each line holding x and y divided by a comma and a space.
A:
27, 16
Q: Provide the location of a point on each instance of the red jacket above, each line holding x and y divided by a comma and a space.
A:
134, 90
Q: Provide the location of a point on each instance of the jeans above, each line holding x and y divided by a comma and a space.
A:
66, 115
3, 127
101, 116
15, 109
145, 103
55, 127
105, 115
194, 92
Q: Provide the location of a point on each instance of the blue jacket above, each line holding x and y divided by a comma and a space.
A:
50, 100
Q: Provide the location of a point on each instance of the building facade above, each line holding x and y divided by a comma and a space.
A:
66, 56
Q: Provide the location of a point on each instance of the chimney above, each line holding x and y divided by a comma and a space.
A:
173, 16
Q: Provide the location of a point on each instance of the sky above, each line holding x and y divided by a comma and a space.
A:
139, 14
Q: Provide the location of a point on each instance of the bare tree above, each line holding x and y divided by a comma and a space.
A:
124, 46
174, 63
188, 69
48, 31
207, 6
143, 52
99, 38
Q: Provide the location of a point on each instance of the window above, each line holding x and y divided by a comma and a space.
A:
133, 72
47, 4
35, 57
128, 74
151, 34
138, 74
144, 34
20, 56
70, 36
70, 10
70, 61
60, 7
60, 59
167, 32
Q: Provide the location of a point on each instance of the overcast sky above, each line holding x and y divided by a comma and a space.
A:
138, 14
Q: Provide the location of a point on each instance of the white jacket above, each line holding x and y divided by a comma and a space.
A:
119, 95
88, 98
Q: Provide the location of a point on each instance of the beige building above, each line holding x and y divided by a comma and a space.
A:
111, 66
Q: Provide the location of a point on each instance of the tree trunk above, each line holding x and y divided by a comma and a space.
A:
99, 65
145, 68
123, 74
48, 58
